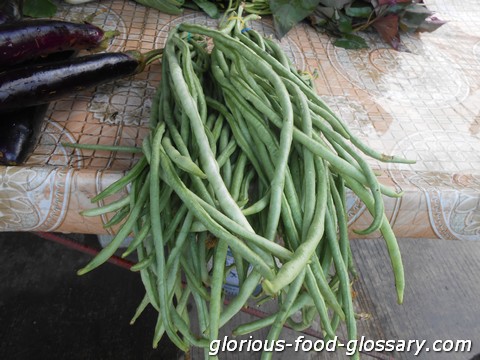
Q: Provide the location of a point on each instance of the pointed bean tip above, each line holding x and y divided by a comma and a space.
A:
399, 297
82, 271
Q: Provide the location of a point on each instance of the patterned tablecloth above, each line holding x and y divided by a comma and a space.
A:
422, 102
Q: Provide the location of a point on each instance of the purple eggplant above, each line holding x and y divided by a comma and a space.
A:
39, 84
19, 132
30, 39
20, 128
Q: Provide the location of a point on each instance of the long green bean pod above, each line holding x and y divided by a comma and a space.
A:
243, 158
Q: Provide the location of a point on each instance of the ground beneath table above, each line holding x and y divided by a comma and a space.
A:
47, 311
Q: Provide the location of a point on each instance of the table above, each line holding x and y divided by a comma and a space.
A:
422, 102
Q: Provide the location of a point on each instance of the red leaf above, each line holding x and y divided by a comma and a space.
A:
387, 27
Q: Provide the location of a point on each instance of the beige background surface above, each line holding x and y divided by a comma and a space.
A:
422, 102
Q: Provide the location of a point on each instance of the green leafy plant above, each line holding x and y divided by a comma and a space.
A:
287, 13
344, 18
39, 8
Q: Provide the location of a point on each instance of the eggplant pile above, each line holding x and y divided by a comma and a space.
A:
38, 65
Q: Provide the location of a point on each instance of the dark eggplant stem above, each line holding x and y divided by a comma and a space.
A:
107, 36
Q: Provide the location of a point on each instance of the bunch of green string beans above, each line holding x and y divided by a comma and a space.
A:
243, 156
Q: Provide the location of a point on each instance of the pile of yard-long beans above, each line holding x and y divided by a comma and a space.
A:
243, 156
